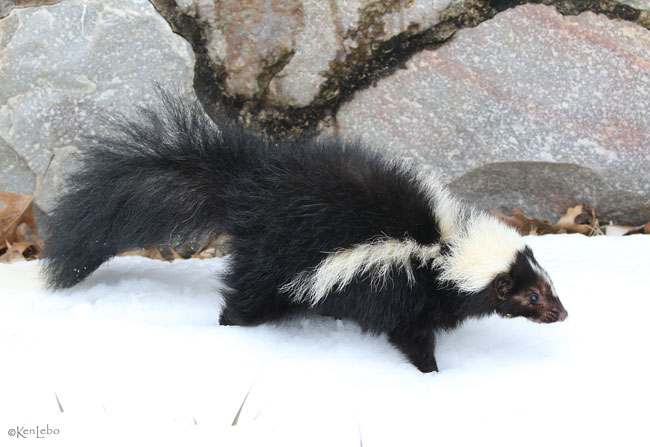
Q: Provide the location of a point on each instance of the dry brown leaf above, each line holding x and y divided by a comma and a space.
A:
208, 253
525, 225
154, 253
175, 254
16, 217
151, 253
20, 251
17, 209
578, 219
23, 235
33, 237
570, 216
218, 248
21, 232
512, 221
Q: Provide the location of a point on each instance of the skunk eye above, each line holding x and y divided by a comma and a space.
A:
534, 297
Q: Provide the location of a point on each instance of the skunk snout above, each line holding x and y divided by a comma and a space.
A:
562, 314
555, 311
554, 315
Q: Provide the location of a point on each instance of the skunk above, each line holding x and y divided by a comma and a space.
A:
319, 225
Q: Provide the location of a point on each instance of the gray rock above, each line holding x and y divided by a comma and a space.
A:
15, 175
541, 190
65, 66
529, 85
7, 5
622, 208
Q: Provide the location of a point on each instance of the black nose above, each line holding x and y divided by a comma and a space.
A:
563, 315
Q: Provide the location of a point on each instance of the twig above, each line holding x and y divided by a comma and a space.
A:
241, 407
58, 403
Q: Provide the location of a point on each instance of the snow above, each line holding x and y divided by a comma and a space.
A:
135, 356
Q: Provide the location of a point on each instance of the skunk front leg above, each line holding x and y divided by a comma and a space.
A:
418, 345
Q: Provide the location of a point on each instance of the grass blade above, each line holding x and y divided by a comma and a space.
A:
58, 403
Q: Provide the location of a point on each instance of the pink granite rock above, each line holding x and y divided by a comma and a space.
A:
279, 49
528, 85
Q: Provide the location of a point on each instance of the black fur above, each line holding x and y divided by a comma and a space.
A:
173, 175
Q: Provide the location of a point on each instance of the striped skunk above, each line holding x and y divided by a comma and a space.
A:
321, 226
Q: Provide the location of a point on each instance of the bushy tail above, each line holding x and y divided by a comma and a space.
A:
159, 179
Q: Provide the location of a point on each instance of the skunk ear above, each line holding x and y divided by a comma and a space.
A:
502, 285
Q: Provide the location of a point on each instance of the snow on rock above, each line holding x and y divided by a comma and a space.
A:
135, 355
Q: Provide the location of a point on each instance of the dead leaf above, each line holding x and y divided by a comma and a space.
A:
17, 209
30, 237
151, 253
168, 253
175, 254
20, 251
578, 219
569, 217
208, 253
219, 247
525, 225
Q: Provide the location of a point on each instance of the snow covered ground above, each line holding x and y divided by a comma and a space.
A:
135, 356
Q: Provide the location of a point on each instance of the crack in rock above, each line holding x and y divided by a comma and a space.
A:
368, 57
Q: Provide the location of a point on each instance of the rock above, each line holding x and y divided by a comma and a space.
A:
638, 4
541, 190
624, 208
7, 5
528, 85
286, 66
15, 175
86, 59
281, 49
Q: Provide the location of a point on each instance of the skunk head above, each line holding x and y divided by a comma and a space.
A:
526, 290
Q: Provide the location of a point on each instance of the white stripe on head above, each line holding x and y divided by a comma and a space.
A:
376, 259
541, 273
484, 248
480, 245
